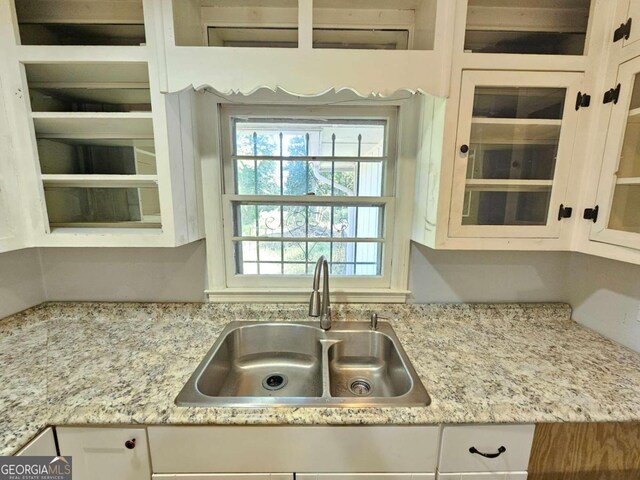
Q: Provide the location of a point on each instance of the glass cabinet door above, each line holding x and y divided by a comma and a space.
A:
618, 199
513, 153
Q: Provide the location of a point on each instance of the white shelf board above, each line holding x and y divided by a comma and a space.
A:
100, 181
634, 116
100, 227
500, 130
69, 54
508, 185
628, 181
93, 124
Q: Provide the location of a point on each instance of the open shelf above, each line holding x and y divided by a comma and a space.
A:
105, 207
350, 24
94, 156
240, 23
544, 27
374, 25
93, 125
93, 87
80, 22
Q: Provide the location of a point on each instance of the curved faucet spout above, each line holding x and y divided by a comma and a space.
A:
317, 307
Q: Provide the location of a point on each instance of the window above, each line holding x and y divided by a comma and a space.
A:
300, 182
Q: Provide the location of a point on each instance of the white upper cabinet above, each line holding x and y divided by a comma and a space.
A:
80, 22
625, 31
616, 215
526, 27
308, 47
514, 147
107, 159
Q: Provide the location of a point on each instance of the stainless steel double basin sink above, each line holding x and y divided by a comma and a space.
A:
258, 364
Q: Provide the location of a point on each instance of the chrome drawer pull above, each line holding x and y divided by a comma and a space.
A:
501, 450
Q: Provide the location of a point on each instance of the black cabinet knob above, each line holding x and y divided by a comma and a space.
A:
464, 148
130, 444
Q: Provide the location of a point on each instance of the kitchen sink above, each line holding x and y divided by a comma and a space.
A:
299, 364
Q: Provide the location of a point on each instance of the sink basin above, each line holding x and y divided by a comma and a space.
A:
367, 364
278, 360
298, 364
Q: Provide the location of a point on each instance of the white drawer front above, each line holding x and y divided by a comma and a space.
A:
484, 476
366, 476
281, 449
222, 476
456, 442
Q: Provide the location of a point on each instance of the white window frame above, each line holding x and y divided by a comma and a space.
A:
224, 285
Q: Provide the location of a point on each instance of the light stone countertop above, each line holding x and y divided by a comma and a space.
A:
123, 363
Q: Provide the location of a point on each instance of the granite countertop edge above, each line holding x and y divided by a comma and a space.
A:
106, 364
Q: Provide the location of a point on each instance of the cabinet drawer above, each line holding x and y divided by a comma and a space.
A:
484, 476
101, 453
455, 454
301, 449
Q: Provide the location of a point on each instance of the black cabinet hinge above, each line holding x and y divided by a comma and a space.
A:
591, 213
623, 31
612, 95
564, 212
582, 100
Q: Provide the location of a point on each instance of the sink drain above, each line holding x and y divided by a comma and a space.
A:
275, 381
360, 387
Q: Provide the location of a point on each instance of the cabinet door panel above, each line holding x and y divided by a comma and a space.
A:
618, 196
484, 476
633, 12
335, 449
515, 137
366, 476
101, 454
222, 476
42, 446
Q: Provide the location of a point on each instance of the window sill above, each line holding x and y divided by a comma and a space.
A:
298, 295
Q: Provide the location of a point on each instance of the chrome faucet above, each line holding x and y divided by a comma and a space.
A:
318, 308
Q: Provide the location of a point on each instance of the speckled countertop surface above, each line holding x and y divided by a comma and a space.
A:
98, 363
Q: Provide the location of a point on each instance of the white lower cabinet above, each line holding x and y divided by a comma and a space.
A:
484, 476
485, 452
222, 476
365, 476
43, 445
317, 450
106, 453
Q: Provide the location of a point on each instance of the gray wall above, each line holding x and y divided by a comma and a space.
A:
21, 283
125, 274
605, 294
469, 276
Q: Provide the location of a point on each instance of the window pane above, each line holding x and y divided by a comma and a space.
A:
299, 258
519, 102
506, 208
319, 138
311, 221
